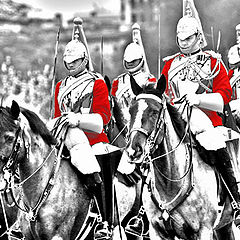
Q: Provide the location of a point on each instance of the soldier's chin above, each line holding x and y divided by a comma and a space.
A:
185, 50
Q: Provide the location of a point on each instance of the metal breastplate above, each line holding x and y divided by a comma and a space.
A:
189, 74
75, 94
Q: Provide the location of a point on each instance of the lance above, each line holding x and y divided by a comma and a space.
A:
54, 72
219, 40
136, 36
212, 36
78, 33
159, 46
102, 64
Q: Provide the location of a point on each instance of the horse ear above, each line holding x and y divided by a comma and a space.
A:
15, 110
108, 83
161, 85
135, 87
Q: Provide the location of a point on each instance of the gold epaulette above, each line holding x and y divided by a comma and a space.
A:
165, 59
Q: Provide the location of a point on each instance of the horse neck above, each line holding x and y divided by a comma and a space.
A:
172, 165
38, 152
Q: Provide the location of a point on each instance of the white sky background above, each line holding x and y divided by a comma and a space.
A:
69, 7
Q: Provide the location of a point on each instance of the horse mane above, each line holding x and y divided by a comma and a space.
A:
38, 126
179, 124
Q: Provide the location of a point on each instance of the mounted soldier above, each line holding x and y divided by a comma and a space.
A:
81, 103
234, 76
135, 64
200, 78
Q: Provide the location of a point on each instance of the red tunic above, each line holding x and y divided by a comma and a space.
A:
220, 85
100, 105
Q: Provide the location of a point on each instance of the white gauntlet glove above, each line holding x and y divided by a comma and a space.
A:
193, 99
73, 119
88, 121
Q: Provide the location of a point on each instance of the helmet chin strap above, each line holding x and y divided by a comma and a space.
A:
189, 49
79, 69
135, 69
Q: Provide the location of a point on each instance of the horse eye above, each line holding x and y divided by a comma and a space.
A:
9, 138
155, 113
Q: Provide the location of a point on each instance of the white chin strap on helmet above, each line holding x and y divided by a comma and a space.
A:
79, 69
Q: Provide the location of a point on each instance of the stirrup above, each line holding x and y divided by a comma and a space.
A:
236, 218
102, 231
135, 226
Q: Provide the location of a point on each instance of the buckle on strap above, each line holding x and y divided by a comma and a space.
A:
235, 205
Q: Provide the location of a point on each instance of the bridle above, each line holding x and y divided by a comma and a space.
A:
152, 137
11, 165
151, 142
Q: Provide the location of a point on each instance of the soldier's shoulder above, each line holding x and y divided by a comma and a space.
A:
121, 76
167, 58
96, 75
213, 54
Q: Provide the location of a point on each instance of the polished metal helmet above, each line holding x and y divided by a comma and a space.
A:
238, 33
187, 26
75, 50
133, 52
234, 55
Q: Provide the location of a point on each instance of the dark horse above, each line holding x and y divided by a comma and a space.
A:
180, 194
55, 203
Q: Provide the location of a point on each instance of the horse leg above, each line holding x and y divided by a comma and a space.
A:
225, 232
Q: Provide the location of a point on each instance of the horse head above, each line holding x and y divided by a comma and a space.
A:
146, 124
17, 128
9, 130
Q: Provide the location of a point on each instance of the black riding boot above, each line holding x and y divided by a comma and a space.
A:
108, 163
136, 225
96, 188
224, 166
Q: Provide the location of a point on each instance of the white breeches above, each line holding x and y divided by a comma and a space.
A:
82, 155
210, 137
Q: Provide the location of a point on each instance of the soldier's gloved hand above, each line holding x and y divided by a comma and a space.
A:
193, 99
236, 115
73, 119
